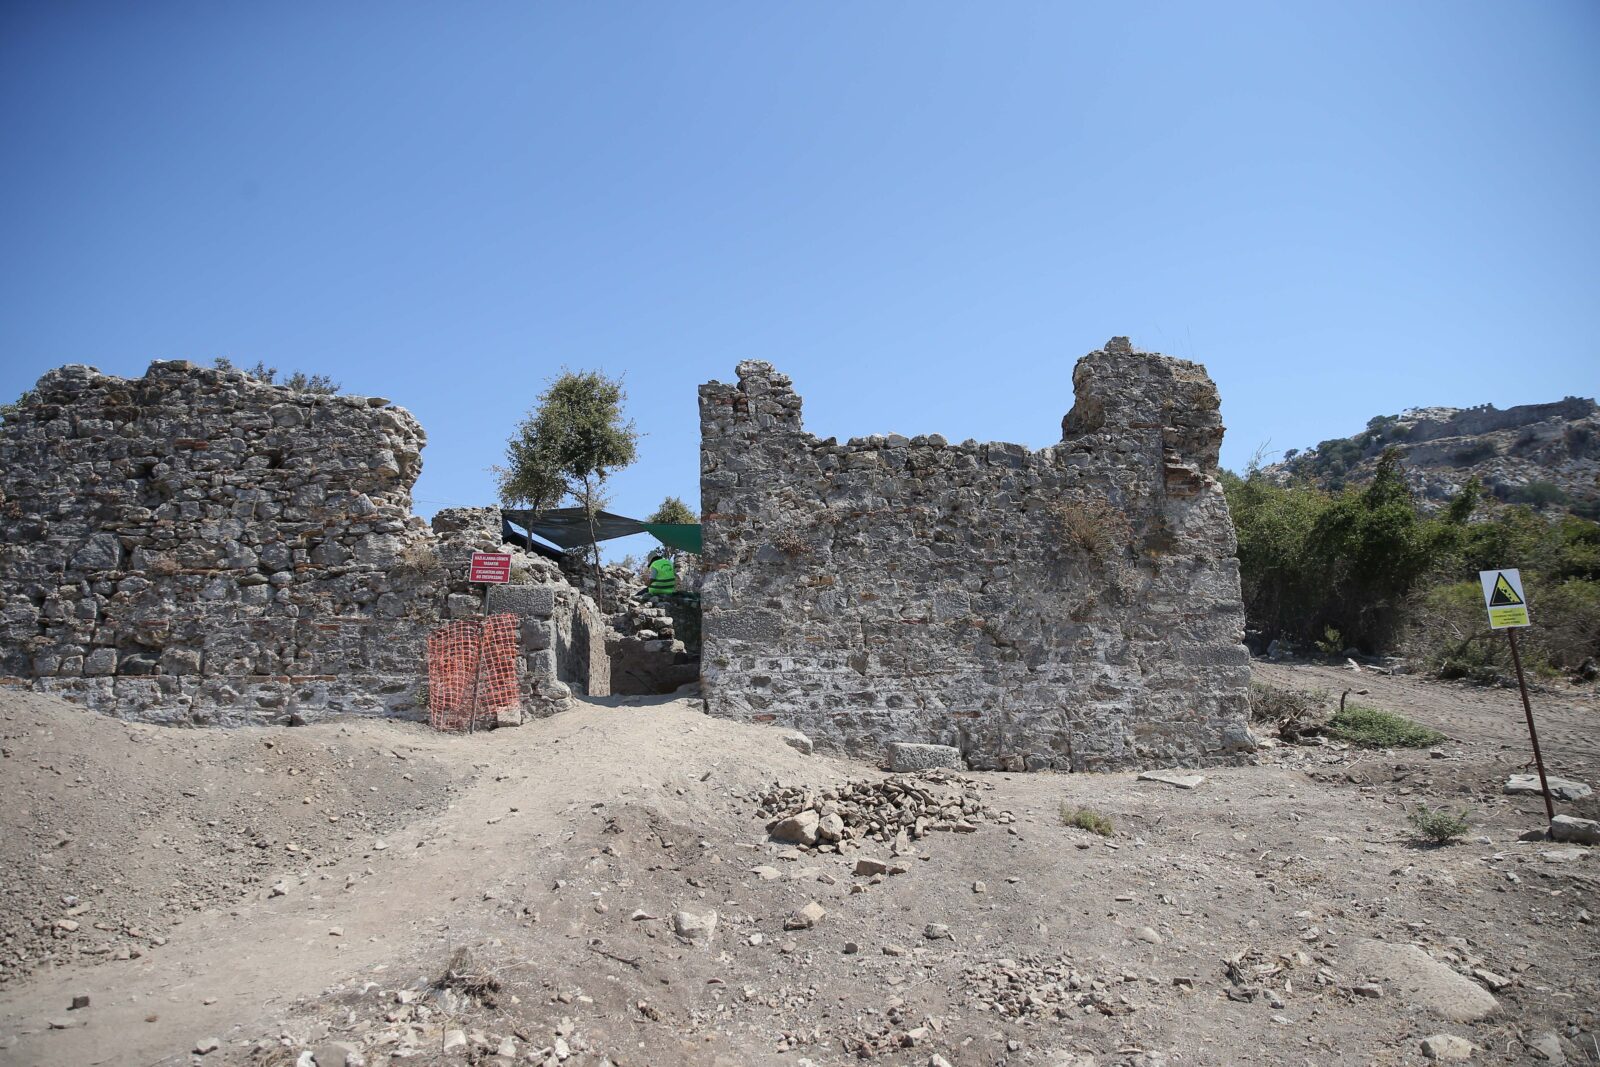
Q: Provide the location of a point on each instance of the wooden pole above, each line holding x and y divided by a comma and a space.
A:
1533, 735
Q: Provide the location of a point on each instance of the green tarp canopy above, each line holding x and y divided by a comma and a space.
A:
571, 528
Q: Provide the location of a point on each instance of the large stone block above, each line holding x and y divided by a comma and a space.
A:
908, 756
537, 601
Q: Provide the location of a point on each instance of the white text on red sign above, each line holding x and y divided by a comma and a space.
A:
490, 567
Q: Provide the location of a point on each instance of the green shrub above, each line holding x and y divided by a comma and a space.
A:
1448, 632
1371, 728
1537, 494
1437, 826
1085, 819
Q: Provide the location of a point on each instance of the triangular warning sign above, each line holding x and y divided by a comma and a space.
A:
1503, 596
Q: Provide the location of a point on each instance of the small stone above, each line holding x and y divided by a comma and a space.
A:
1547, 1046
1574, 830
79, 1001
798, 741
937, 1060
756, 939
804, 918
979, 887
698, 929
1173, 778
1560, 788
851, 948
454, 1039
1447, 1048
335, 931
765, 873
937, 932
1495, 982
893, 950
866, 866
800, 828
206, 1046
1146, 933
1370, 990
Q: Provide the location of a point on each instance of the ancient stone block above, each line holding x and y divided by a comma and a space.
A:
909, 756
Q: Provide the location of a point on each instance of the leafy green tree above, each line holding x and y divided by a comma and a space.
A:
568, 445
673, 510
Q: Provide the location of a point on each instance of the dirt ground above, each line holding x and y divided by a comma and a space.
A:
298, 896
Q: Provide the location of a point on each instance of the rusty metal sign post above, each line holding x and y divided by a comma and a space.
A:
1508, 610
487, 568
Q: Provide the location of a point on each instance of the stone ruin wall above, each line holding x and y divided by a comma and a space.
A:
198, 546
1076, 607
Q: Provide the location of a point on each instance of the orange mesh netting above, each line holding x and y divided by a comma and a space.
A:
472, 672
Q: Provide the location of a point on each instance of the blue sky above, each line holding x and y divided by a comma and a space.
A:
925, 213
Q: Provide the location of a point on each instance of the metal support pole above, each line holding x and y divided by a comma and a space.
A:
1533, 735
477, 663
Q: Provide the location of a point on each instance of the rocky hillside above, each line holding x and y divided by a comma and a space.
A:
1541, 454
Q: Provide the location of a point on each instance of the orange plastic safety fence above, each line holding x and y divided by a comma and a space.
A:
472, 672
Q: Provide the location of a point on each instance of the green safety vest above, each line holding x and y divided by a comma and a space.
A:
663, 578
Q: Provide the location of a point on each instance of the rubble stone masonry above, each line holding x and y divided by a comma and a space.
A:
199, 546
1076, 607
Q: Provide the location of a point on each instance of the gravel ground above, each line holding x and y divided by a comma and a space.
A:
528, 893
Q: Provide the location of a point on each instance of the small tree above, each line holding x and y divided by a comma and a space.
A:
299, 381
674, 511
567, 446
9, 412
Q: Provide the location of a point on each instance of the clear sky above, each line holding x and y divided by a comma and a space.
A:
923, 212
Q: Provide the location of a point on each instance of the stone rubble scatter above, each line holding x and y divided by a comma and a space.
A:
899, 808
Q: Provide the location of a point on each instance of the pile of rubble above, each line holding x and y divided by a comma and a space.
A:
895, 810
1040, 987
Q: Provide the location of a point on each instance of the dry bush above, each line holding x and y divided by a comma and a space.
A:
1092, 527
464, 976
421, 559
790, 541
1289, 711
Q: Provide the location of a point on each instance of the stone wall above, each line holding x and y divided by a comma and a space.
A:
1076, 607
199, 546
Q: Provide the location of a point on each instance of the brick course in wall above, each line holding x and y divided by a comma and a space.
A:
1076, 607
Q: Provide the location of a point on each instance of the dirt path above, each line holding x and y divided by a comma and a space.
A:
1218, 925
1568, 717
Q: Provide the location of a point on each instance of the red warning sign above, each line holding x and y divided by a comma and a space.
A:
491, 568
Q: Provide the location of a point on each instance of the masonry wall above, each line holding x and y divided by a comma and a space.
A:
1076, 607
198, 546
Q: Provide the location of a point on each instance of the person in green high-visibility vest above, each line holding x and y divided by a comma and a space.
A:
662, 574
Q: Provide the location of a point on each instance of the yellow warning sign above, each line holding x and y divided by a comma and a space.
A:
1503, 597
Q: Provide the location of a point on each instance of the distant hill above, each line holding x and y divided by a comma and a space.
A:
1547, 455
